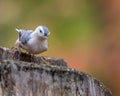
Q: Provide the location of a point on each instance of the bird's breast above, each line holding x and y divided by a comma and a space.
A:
36, 46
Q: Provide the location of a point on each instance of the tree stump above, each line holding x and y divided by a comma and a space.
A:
22, 74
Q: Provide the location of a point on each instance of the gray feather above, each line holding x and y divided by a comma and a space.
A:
45, 29
24, 35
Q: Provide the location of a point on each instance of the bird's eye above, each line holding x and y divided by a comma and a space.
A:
40, 31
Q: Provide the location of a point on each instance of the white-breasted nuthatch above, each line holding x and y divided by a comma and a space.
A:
34, 42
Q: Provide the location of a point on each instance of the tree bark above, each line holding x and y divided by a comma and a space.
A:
27, 75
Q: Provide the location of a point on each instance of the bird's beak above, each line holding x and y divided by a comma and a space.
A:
46, 34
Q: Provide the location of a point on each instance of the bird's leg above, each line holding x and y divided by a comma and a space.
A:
13, 48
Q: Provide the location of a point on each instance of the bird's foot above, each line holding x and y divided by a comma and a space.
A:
14, 49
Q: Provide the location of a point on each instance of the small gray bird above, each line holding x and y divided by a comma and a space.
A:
34, 42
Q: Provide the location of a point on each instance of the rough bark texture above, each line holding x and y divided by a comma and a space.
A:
7, 54
39, 76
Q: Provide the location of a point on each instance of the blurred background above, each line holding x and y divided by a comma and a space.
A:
86, 33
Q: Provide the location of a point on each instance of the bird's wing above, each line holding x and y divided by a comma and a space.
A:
24, 35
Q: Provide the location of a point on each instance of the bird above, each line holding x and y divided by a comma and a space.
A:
34, 42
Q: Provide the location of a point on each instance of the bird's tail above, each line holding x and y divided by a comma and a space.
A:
19, 32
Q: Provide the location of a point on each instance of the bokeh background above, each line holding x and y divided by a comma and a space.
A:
86, 33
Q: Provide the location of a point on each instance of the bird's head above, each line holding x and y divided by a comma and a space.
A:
42, 32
